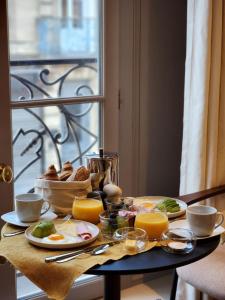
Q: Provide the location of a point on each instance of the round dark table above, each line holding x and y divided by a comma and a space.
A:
151, 261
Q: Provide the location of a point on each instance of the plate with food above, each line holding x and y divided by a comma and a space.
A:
173, 207
60, 234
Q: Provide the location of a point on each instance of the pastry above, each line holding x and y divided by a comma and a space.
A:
66, 172
51, 174
81, 174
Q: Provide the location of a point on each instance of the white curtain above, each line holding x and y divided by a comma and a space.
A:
203, 152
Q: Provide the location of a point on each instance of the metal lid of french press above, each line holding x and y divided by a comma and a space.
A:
102, 155
105, 164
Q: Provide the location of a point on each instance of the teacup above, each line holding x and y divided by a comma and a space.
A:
29, 207
203, 219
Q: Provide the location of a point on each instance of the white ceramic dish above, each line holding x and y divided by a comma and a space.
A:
184, 224
11, 218
157, 199
69, 242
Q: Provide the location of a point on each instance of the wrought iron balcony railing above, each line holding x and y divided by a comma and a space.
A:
30, 80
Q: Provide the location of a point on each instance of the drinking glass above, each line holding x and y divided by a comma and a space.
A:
87, 209
154, 222
111, 221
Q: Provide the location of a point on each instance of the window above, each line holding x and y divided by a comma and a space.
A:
62, 65
54, 89
37, 96
75, 13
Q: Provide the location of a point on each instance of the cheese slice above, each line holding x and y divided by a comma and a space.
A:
67, 228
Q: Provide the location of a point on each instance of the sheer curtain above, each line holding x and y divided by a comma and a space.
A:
203, 149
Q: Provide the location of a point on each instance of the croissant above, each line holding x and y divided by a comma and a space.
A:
67, 166
51, 174
66, 172
81, 174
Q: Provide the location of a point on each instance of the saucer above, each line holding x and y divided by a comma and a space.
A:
184, 224
11, 218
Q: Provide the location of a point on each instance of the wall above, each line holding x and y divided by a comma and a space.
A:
162, 89
152, 99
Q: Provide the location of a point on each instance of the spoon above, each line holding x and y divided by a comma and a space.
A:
96, 251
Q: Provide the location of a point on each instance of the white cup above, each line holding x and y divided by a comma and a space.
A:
203, 219
29, 207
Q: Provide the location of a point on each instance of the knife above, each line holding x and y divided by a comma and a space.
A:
68, 254
96, 251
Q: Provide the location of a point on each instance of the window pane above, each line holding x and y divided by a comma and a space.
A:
54, 49
52, 135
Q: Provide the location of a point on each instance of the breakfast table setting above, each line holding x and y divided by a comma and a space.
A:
77, 221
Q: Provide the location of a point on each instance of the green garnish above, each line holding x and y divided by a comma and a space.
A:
169, 205
43, 229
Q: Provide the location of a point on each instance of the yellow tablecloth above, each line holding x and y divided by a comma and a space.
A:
54, 279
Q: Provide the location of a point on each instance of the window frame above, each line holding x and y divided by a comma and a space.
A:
115, 100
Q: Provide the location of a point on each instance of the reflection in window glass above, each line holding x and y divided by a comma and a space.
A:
54, 48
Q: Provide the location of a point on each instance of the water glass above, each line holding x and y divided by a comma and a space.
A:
111, 221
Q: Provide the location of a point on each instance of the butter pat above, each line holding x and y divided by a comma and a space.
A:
130, 245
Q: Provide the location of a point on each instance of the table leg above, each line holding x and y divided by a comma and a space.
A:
174, 286
112, 287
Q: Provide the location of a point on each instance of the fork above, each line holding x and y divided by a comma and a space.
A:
67, 217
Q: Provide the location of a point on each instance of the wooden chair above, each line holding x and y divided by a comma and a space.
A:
207, 275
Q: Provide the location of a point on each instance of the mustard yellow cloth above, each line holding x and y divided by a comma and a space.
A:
54, 279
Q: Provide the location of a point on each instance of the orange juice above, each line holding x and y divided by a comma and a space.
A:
87, 210
154, 223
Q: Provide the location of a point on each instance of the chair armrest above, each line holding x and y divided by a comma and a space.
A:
198, 196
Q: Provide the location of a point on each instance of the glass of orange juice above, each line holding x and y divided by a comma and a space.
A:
87, 209
154, 222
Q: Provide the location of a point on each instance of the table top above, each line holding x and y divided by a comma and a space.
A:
156, 260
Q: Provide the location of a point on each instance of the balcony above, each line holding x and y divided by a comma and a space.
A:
52, 133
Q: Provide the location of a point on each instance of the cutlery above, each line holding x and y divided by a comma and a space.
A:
67, 217
13, 233
81, 251
96, 251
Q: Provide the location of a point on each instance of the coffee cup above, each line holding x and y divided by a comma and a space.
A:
29, 207
203, 219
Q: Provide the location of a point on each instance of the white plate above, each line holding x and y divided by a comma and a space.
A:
11, 218
184, 224
157, 199
72, 242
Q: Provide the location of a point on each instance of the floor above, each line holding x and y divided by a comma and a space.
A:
154, 289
